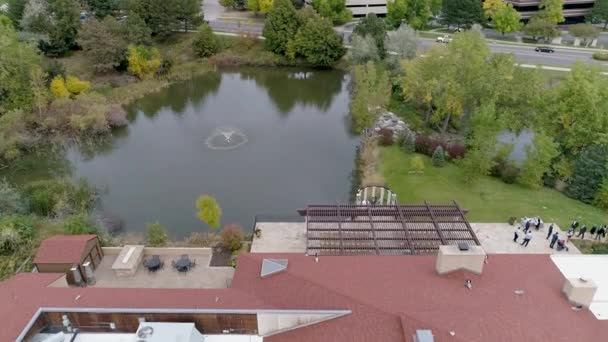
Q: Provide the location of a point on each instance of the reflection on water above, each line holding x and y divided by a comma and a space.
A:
298, 150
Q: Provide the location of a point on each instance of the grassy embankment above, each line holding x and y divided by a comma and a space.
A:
488, 200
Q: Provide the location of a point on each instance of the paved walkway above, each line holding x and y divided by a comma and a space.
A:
497, 238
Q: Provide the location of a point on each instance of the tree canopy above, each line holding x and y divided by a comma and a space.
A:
280, 26
317, 43
599, 12
462, 12
373, 26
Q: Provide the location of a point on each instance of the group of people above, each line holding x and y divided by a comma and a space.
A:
597, 232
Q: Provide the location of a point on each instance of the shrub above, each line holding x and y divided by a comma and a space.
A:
409, 142
165, 67
589, 171
199, 239
156, 235
117, 116
43, 196
601, 197
53, 68
232, 237
56, 197
58, 88
438, 157
209, 211
509, 173
11, 201
76, 86
205, 42
143, 61
417, 164
9, 240
78, 224
600, 56
15, 231
455, 151
386, 137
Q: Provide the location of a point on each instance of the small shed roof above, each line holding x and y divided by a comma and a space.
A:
62, 249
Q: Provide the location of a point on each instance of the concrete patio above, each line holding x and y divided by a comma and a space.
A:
497, 238
200, 276
280, 237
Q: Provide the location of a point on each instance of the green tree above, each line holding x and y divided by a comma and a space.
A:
491, 7
253, 5
373, 26
418, 13
599, 12
16, 62
317, 43
507, 19
280, 26
539, 27
397, 11
363, 49
372, 90
103, 8
334, 10
156, 235
552, 10
538, 160
103, 43
135, 30
589, 172
462, 12
601, 196
189, 13
159, 15
481, 143
205, 43
64, 27
578, 107
209, 211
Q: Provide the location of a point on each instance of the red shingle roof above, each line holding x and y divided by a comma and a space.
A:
62, 249
390, 298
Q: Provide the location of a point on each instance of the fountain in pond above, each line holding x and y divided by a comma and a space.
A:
226, 138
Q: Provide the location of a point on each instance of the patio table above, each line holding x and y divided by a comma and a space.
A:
183, 264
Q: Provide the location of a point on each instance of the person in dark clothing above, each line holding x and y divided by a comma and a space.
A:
538, 224
600, 233
574, 225
516, 234
527, 239
593, 229
581, 233
550, 231
554, 239
527, 226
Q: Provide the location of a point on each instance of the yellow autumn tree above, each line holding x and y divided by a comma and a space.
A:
58, 88
76, 86
265, 5
143, 62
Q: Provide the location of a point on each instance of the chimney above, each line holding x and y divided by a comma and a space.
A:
89, 274
77, 276
580, 291
460, 257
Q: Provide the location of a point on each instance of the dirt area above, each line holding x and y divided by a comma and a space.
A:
220, 257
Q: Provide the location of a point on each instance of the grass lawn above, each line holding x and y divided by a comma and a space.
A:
489, 200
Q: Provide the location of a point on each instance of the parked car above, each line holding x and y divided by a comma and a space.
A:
445, 39
544, 49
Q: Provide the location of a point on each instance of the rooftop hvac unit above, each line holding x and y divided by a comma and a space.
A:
76, 274
89, 273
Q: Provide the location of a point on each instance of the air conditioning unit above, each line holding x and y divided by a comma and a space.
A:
89, 273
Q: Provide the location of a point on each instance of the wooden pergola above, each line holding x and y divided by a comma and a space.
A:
385, 230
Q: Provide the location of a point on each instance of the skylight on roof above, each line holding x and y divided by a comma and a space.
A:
272, 266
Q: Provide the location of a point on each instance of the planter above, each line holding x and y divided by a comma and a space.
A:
258, 232
560, 185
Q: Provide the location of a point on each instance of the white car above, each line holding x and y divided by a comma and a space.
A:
445, 39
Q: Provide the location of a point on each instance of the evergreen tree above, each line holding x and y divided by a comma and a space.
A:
15, 11
102, 8
159, 15
589, 171
189, 13
462, 12
205, 42
438, 158
281, 26
64, 27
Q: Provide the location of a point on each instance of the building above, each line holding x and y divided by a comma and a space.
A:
572, 8
371, 273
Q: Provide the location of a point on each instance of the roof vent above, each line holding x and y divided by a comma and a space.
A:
272, 266
424, 336
145, 332
463, 246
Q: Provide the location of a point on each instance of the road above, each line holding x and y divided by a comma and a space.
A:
523, 53
526, 54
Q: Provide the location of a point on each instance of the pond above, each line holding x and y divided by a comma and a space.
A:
262, 141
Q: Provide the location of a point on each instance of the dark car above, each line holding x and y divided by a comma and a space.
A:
544, 49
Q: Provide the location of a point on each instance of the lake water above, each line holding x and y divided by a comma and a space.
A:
292, 145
